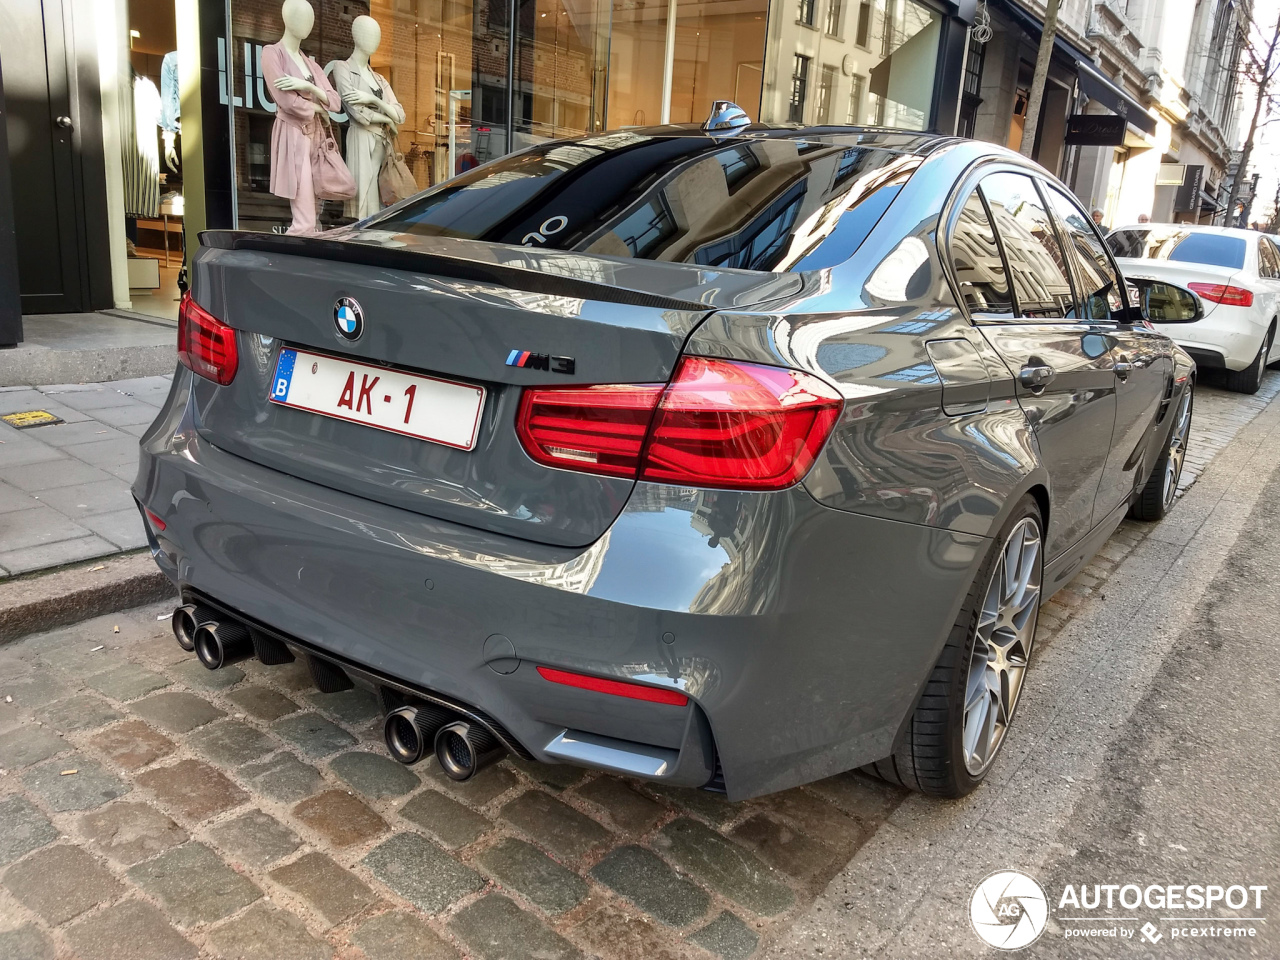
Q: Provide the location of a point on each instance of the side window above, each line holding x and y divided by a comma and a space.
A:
1037, 265
1096, 278
979, 267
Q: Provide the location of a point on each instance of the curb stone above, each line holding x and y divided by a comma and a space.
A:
49, 599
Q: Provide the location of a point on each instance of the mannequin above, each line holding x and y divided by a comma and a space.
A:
374, 111
302, 94
170, 108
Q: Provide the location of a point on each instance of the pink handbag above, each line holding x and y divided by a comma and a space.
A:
330, 178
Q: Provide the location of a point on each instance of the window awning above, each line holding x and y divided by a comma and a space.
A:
1099, 87
1096, 84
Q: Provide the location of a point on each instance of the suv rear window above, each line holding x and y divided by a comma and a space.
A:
1211, 249
771, 203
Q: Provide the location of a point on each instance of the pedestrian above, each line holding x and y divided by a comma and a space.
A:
1097, 218
1143, 218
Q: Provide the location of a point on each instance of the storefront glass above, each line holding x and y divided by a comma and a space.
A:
577, 67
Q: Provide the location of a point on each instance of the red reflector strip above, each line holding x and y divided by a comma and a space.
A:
618, 688
155, 521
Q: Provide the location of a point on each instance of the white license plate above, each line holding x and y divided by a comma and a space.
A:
404, 403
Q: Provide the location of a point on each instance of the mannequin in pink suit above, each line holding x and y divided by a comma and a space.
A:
302, 93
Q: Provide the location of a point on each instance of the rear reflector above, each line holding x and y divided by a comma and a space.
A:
719, 423
157, 524
206, 345
617, 688
1223, 293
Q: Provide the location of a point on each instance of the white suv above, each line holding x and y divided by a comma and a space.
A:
1237, 275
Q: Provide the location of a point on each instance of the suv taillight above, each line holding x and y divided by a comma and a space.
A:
206, 345
1224, 293
719, 423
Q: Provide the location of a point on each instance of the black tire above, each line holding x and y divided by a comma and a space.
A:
1155, 498
1249, 380
930, 758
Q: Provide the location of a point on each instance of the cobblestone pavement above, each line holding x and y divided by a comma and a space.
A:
64, 488
151, 809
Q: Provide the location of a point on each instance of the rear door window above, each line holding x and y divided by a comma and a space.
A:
759, 203
975, 256
1100, 295
1037, 264
1268, 261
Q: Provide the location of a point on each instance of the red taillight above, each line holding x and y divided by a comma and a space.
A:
1223, 293
719, 423
618, 688
741, 425
205, 344
599, 429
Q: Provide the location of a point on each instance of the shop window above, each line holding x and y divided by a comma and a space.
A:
799, 89
1037, 264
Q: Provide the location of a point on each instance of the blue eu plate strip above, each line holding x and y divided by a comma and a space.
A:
284, 374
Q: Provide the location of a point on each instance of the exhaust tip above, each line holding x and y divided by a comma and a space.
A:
463, 749
222, 644
186, 620
404, 741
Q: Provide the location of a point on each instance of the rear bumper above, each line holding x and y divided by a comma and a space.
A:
801, 634
1229, 337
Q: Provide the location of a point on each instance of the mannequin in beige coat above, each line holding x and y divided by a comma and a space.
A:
374, 112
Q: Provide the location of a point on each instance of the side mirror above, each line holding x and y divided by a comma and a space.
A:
1162, 302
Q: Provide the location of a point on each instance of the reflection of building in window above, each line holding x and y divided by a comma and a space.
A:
976, 259
834, 11
646, 227
826, 93
882, 64
737, 164
1035, 259
799, 88
757, 245
857, 88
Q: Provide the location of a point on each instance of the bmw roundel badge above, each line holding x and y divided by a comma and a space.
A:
348, 318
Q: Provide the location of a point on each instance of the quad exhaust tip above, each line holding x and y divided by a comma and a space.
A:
462, 748
220, 644
186, 620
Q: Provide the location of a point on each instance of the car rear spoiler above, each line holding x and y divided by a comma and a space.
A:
459, 268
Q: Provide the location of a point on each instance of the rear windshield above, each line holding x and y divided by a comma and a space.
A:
1171, 243
756, 203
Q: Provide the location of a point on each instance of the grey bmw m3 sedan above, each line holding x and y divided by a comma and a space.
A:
730, 457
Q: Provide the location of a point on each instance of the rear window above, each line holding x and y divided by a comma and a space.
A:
1167, 243
758, 203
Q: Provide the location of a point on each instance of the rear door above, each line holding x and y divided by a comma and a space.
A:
1141, 361
1062, 365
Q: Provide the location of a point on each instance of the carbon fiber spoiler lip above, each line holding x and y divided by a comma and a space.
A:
352, 249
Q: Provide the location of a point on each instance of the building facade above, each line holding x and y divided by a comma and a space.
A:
155, 118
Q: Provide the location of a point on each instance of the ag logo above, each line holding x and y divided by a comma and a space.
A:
348, 318
1009, 910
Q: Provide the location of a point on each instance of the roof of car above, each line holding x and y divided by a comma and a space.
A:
886, 137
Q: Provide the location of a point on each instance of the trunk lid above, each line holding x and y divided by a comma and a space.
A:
459, 311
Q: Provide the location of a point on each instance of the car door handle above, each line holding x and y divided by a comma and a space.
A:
1034, 376
1123, 368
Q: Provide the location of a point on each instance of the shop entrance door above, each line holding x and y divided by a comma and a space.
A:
38, 91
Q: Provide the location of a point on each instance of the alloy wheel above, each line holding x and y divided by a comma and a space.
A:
1177, 450
1002, 647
